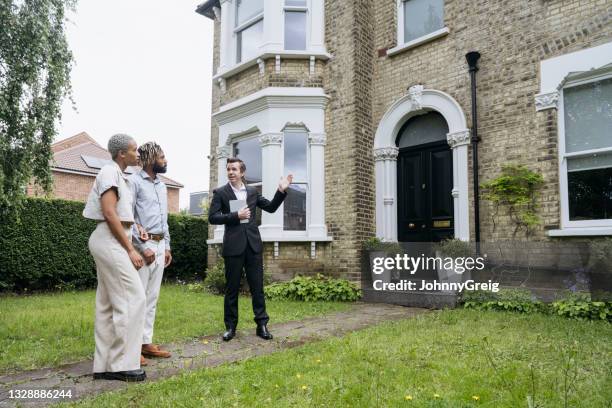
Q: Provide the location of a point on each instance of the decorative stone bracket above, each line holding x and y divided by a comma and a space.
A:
547, 100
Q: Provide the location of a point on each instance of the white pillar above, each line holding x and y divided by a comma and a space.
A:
317, 26
226, 58
316, 225
273, 35
386, 192
223, 153
459, 142
271, 223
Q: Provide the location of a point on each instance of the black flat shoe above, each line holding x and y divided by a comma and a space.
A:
262, 331
128, 376
229, 334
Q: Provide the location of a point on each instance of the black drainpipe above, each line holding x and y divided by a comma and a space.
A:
472, 58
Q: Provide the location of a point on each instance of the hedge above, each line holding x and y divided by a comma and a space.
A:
46, 248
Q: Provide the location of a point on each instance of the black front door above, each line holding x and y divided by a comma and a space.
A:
424, 186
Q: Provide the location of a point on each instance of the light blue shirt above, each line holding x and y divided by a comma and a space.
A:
150, 208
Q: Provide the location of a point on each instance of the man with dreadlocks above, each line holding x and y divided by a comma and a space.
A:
153, 238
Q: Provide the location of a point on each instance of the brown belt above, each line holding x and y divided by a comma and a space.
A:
156, 237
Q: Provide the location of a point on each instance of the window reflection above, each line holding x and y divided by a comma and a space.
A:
249, 151
422, 17
295, 208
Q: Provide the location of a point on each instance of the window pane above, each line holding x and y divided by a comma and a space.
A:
422, 17
249, 151
246, 9
295, 30
590, 194
431, 127
295, 3
249, 41
295, 208
588, 116
296, 145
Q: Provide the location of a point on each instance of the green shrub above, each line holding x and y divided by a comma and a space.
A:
573, 305
515, 300
375, 244
312, 289
215, 280
47, 247
454, 248
188, 236
581, 307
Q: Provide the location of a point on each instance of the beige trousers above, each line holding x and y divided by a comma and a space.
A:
151, 278
120, 304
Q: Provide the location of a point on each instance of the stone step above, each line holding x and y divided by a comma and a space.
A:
412, 298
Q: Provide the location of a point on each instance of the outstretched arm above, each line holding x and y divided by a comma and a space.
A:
216, 217
281, 193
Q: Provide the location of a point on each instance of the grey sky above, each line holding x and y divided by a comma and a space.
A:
144, 68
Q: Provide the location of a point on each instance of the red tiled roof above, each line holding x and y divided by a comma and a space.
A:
68, 156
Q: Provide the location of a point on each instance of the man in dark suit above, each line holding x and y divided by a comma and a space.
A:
242, 246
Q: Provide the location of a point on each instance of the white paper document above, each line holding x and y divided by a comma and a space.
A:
237, 205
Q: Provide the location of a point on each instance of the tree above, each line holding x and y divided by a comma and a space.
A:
35, 64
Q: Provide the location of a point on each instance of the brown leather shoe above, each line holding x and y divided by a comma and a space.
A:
143, 361
153, 350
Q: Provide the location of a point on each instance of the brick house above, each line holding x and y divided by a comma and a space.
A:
76, 162
369, 102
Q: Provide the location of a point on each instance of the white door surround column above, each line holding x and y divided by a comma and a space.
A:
418, 101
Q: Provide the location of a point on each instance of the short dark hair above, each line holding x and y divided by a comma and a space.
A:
236, 160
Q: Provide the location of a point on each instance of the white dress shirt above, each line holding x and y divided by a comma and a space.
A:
240, 193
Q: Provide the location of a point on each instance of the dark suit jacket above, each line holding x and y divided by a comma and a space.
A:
237, 235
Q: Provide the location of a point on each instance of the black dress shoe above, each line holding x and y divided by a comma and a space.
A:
128, 376
262, 331
229, 334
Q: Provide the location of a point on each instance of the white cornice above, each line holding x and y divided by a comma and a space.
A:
271, 97
285, 54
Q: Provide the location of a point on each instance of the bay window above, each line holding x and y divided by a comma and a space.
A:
249, 28
296, 13
295, 148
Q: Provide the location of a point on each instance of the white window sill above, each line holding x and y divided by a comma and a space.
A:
580, 232
280, 239
241, 66
418, 41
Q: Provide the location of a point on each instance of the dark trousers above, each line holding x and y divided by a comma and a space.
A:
253, 267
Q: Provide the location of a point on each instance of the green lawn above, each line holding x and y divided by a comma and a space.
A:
441, 359
53, 329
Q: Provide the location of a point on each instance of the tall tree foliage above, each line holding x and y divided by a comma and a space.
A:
35, 64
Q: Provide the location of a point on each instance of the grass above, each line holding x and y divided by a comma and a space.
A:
457, 358
52, 329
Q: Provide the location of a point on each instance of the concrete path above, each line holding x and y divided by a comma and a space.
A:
208, 351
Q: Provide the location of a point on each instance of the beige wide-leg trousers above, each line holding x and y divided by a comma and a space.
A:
120, 304
151, 277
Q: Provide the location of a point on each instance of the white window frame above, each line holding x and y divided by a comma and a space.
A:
304, 9
401, 44
273, 41
566, 223
295, 130
239, 28
242, 138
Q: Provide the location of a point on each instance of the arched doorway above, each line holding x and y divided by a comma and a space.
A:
416, 102
424, 180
